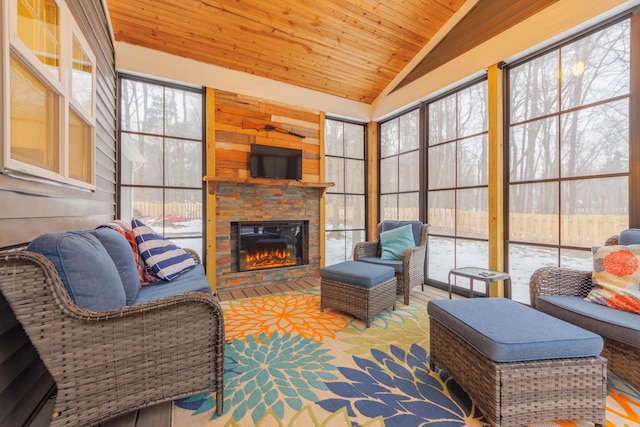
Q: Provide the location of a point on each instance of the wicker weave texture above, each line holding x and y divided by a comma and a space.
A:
623, 359
559, 281
412, 260
109, 363
362, 303
518, 393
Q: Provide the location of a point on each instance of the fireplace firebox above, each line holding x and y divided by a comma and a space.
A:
263, 245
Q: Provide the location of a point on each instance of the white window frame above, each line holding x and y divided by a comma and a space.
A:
61, 85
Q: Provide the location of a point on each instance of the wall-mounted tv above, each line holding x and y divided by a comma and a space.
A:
275, 162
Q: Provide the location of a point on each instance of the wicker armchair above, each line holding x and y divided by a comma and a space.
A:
109, 363
623, 359
411, 272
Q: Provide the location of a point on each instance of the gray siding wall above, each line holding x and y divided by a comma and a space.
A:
28, 209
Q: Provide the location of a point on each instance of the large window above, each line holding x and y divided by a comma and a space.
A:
51, 88
161, 165
457, 186
568, 178
400, 167
345, 203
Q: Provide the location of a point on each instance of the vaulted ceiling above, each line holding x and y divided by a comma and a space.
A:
348, 48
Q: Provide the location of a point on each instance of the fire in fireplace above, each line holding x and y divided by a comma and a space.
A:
269, 244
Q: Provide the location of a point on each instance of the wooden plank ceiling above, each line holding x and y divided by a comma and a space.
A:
348, 48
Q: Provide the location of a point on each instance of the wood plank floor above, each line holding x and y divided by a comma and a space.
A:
160, 415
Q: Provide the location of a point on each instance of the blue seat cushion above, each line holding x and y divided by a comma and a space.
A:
397, 264
85, 268
193, 280
506, 331
121, 254
357, 273
630, 236
416, 228
619, 325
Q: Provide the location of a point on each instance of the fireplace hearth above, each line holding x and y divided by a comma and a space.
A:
260, 245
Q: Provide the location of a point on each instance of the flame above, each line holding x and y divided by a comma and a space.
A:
268, 258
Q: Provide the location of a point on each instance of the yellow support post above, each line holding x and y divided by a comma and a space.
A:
372, 181
211, 198
322, 197
496, 175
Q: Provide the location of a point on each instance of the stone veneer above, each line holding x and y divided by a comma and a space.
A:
247, 202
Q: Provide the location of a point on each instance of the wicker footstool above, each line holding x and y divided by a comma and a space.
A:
517, 364
358, 288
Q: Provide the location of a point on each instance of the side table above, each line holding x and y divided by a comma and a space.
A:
487, 276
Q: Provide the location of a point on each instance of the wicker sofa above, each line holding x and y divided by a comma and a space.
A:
410, 269
560, 292
167, 345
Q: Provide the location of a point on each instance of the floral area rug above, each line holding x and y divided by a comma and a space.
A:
288, 364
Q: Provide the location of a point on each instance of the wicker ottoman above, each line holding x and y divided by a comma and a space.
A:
358, 288
517, 364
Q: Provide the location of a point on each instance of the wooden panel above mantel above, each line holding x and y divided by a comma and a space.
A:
233, 140
212, 182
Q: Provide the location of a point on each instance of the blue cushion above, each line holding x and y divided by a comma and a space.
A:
394, 242
630, 236
162, 256
506, 331
121, 254
86, 269
357, 273
194, 280
608, 322
398, 265
416, 227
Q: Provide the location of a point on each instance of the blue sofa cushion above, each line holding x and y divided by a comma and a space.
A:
357, 273
630, 236
608, 322
398, 265
121, 254
395, 242
416, 228
194, 280
506, 331
86, 269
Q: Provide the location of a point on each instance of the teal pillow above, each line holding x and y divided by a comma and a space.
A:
395, 242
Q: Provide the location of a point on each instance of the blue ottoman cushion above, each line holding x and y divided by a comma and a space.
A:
358, 273
506, 331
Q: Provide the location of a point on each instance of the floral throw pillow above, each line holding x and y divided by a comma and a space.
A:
616, 277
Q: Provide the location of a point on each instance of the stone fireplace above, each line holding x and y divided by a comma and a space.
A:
265, 215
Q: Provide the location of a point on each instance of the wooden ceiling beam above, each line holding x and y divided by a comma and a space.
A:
484, 21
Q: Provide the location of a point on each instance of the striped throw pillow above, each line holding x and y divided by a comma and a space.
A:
160, 254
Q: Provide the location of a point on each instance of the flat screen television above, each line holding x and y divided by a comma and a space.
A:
275, 162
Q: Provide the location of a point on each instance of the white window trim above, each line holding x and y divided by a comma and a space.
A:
62, 86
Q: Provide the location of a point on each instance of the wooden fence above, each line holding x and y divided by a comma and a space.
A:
177, 211
577, 230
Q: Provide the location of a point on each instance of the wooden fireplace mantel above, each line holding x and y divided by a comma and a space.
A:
212, 182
